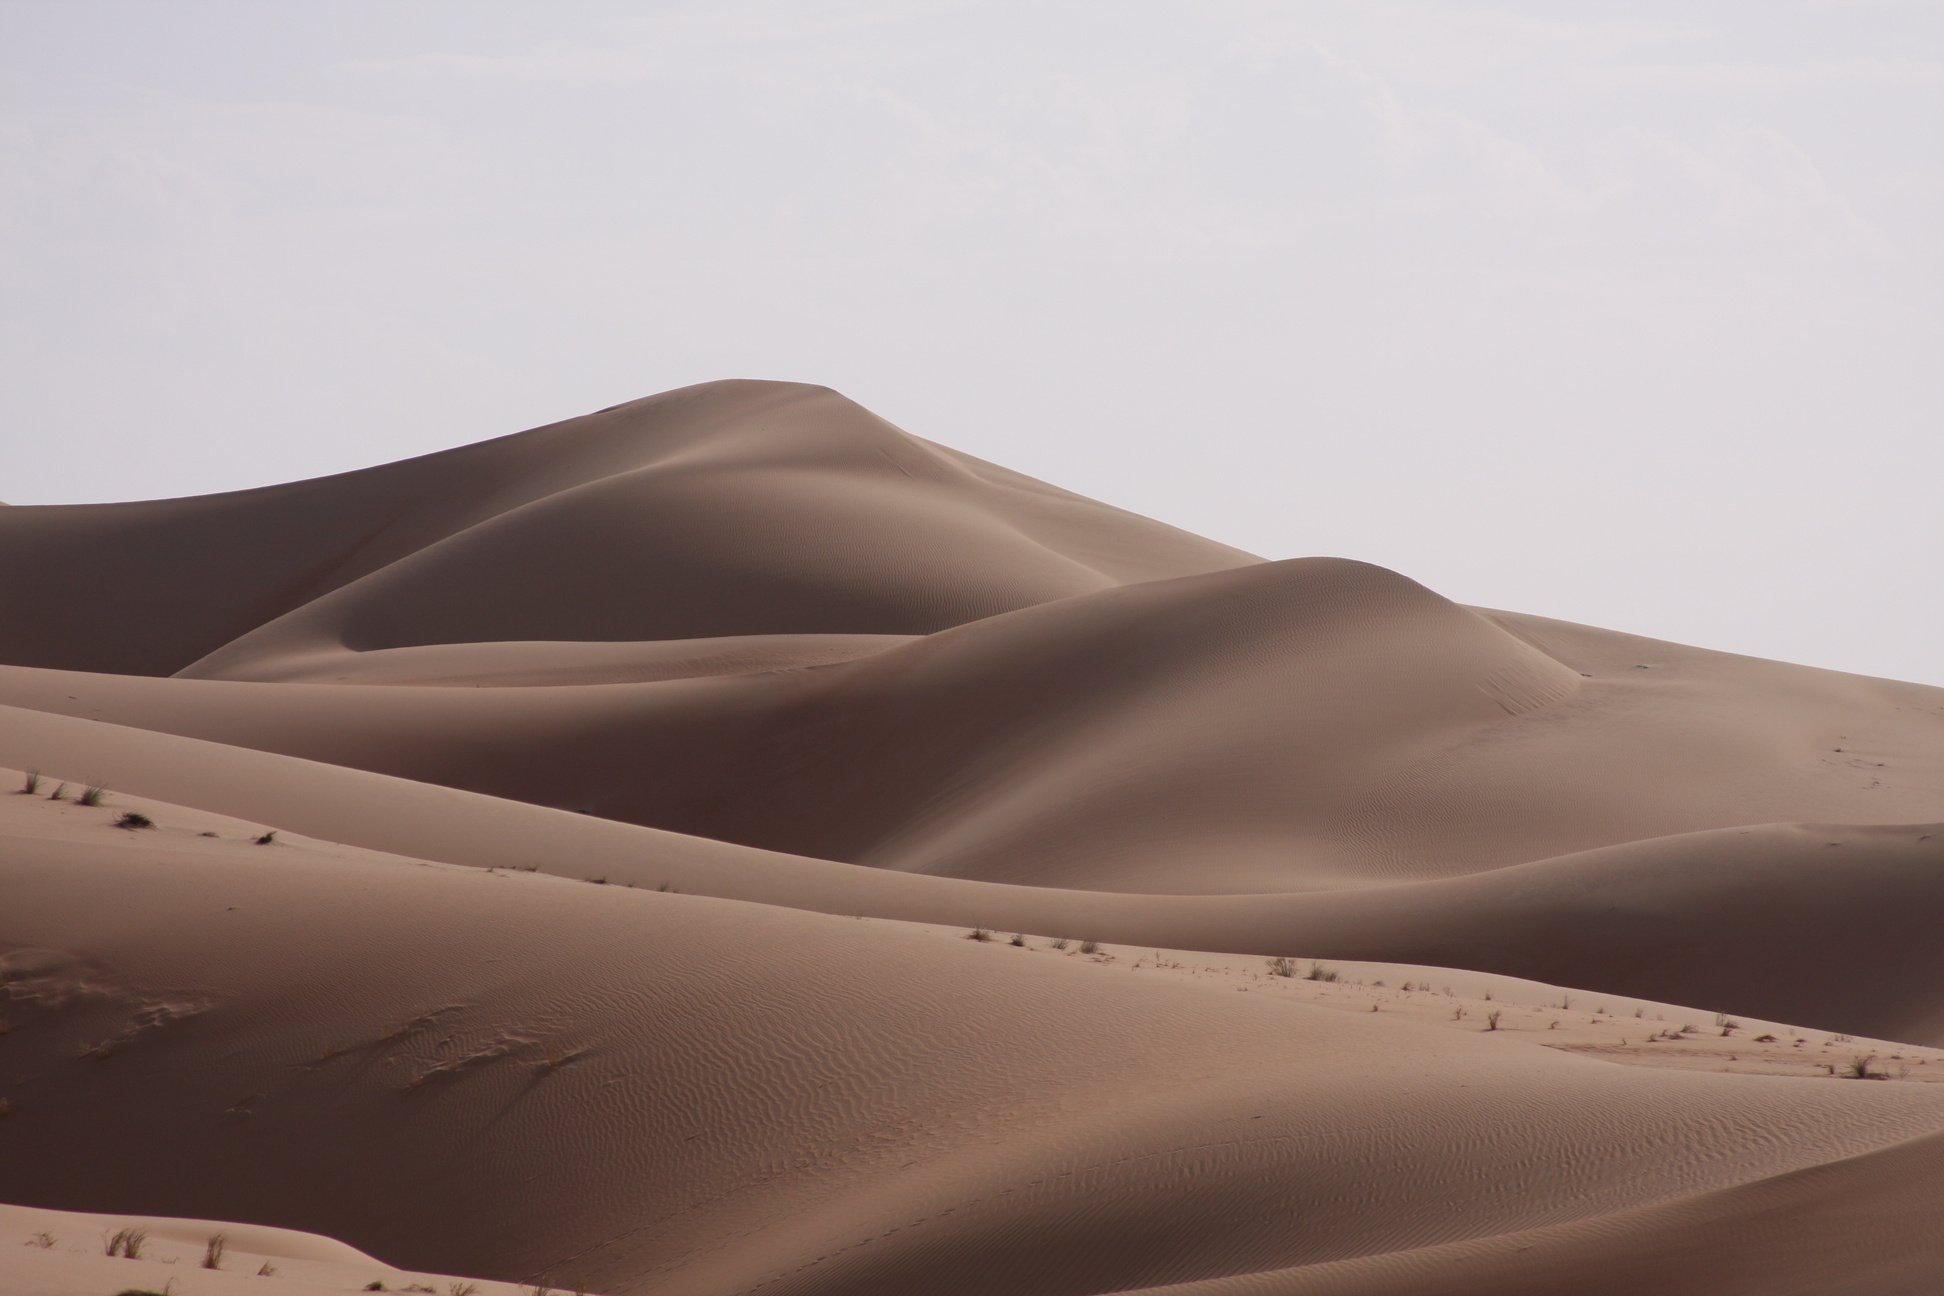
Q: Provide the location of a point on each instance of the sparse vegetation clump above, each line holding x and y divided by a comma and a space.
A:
266, 1270
1862, 1067
31, 784
92, 795
1492, 1020
1765, 1039
1090, 947
133, 819
59, 793
1282, 967
1317, 972
267, 838
126, 1242
213, 1251
1018, 940
1060, 942
978, 934
42, 1241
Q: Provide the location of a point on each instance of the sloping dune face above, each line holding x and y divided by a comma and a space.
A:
813, 699
728, 509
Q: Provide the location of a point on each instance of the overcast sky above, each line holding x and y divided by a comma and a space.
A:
1626, 313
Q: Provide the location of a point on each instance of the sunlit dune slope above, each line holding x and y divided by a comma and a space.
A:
1279, 727
726, 509
682, 1094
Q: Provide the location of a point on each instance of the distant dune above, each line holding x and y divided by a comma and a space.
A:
1592, 940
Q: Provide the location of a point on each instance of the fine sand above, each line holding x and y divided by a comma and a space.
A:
632, 785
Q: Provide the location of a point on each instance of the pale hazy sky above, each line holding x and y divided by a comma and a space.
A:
1626, 313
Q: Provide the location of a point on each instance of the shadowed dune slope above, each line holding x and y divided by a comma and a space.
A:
1280, 727
1735, 920
693, 1095
731, 508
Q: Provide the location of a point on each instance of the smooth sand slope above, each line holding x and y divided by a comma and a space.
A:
515, 1074
849, 695
728, 509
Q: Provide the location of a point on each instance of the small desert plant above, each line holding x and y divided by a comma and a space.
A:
1859, 1068
267, 838
1282, 967
1458, 1013
374, 1285
133, 819
1492, 1020
1018, 939
462, 1289
126, 1242
1090, 947
213, 1251
91, 795
1408, 986
266, 1270
1317, 972
1060, 942
42, 1241
59, 793
599, 881
31, 784
978, 934
1765, 1039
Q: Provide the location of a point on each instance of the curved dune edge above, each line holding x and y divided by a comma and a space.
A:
1295, 726
1721, 919
729, 508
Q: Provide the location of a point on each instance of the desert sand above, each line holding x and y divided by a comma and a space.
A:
727, 844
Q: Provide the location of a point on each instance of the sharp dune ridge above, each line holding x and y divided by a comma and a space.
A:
551, 861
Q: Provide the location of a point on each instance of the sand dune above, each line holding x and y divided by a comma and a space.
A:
812, 699
726, 509
793, 1118
1303, 725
